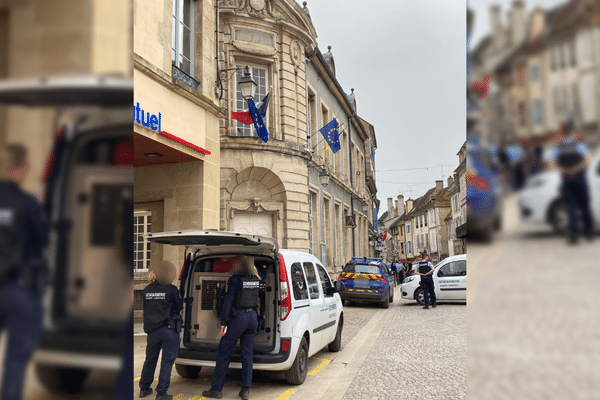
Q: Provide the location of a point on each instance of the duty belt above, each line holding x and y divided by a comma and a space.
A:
241, 310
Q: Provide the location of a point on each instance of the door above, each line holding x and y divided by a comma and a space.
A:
317, 306
257, 224
98, 202
452, 280
329, 309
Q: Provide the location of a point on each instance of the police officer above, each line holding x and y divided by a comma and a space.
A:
23, 236
162, 323
425, 270
572, 159
239, 321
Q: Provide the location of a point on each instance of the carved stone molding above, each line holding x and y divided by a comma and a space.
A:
255, 49
296, 54
257, 8
256, 206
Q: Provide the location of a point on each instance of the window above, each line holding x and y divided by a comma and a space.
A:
554, 59
456, 268
401, 247
563, 56
182, 36
534, 72
425, 217
573, 60
409, 247
522, 114
575, 94
537, 111
407, 228
298, 282
259, 74
326, 284
521, 76
142, 224
311, 277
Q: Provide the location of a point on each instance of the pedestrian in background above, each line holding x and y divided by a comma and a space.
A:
425, 270
162, 323
239, 321
23, 237
394, 271
572, 158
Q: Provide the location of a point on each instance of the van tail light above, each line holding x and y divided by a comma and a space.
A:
382, 279
284, 291
285, 345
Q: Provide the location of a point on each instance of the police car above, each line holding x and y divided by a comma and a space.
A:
300, 310
89, 202
541, 200
367, 279
449, 277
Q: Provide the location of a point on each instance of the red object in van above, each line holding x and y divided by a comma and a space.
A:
222, 265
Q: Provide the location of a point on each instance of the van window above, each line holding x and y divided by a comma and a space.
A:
311, 277
105, 151
456, 268
325, 281
298, 282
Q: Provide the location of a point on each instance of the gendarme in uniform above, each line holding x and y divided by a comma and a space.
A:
425, 269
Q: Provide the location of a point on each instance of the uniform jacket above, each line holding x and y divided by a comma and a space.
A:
161, 302
23, 229
234, 284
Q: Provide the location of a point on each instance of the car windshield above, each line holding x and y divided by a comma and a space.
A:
361, 269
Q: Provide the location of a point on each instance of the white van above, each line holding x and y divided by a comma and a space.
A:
300, 308
89, 201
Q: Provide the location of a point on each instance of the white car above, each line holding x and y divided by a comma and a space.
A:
541, 200
300, 308
449, 277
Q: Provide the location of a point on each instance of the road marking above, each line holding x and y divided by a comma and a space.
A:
197, 397
324, 362
286, 394
179, 396
137, 379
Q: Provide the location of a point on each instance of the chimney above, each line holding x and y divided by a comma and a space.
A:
518, 22
439, 186
390, 205
409, 205
450, 181
496, 26
400, 203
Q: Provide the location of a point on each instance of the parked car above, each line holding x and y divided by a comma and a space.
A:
89, 202
484, 192
300, 309
541, 200
367, 279
449, 277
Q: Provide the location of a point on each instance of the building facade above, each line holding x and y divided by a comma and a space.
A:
274, 188
176, 126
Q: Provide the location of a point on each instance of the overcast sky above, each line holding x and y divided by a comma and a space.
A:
406, 61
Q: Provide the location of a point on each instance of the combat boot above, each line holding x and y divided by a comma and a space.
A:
212, 394
164, 396
426, 306
145, 392
245, 393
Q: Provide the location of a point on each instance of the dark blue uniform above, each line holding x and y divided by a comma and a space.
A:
161, 303
23, 236
241, 323
427, 283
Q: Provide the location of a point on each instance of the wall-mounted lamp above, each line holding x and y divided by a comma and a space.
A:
324, 177
247, 84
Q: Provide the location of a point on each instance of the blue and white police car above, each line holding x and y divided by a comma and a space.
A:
367, 279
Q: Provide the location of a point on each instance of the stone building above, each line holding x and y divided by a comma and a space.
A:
51, 38
273, 188
176, 125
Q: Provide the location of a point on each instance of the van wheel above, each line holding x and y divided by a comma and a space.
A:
61, 380
336, 345
386, 302
420, 297
297, 373
188, 371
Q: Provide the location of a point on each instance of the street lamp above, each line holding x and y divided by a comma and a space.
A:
324, 177
247, 84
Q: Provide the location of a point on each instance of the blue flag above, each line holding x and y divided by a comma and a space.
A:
259, 125
331, 135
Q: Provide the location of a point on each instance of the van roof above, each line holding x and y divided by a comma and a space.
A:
61, 91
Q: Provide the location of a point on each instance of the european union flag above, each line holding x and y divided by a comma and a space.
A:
259, 125
331, 135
